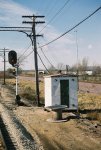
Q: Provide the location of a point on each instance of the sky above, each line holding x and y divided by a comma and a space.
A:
60, 16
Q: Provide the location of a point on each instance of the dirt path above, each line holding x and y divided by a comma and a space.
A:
78, 134
73, 134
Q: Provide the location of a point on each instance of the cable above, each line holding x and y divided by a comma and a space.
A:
49, 6
59, 11
52, 55
24, 51
46, 57
42, 62
72, 27
29, 54
39, 58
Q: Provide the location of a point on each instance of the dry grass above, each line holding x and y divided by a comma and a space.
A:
86, 100
94, 116
27, 88
89, 101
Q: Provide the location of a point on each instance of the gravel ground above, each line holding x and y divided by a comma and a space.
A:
18, 133
78, 134
2, 147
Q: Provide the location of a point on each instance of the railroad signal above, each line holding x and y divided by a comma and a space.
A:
12, 57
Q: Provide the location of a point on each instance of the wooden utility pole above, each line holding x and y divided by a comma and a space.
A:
4, 57
34, 46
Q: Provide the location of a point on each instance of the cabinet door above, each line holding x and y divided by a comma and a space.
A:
64, 92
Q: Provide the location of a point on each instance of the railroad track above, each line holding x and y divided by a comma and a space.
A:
14, 134
8, 144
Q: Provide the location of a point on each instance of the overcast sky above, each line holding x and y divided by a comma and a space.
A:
60, 16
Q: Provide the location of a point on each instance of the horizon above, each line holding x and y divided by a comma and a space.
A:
86, 40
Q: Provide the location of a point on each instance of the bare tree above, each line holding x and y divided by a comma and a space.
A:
51, 69
84, 64
21, 59
96, 69
60, 66
81, 66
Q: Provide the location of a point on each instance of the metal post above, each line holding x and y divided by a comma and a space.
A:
17, 100
77, 61
16, 81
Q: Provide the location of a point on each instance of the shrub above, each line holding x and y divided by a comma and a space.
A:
28, 93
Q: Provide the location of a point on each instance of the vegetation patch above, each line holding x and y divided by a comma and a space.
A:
89, 101
28, 93
26, 89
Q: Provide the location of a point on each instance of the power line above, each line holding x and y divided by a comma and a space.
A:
29, 54
17, 27
52, 55
72, 27
24, 51
57, 13
46, 57
39, 58
50, 6
42, 62
48, 9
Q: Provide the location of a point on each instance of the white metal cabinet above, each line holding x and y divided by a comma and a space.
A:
61, 90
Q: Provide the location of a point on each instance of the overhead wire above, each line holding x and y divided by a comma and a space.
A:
49, 6
53, 56
46, 57
29, 54
40, 31
43, 62
72, 27
57, 13
24, 51
39, 58
64, 34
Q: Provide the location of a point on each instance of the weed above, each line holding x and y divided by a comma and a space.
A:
94, 116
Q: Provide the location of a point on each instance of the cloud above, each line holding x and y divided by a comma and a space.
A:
12, 7
11, 12
61, 50
61, 45
90, 46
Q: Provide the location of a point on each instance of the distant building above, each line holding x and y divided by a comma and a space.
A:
89, 72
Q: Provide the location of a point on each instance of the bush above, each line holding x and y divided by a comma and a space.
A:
28, 93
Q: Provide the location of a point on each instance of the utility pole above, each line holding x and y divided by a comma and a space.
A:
34, 46
4, 57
